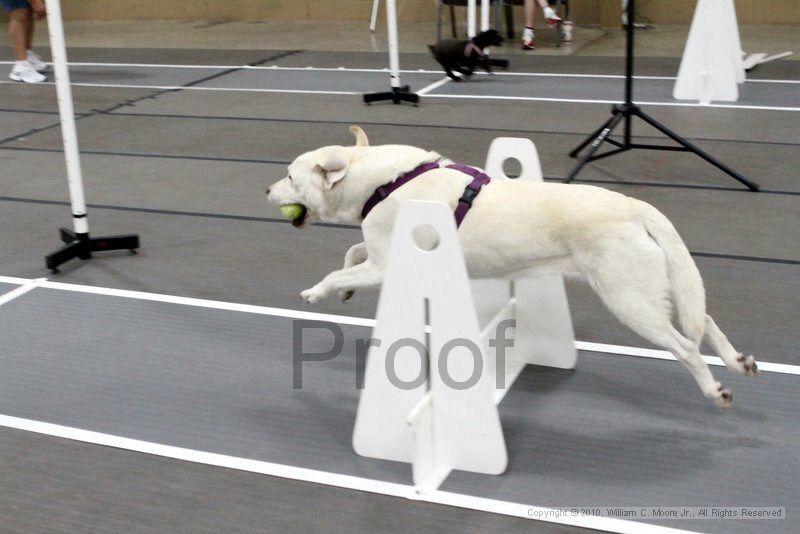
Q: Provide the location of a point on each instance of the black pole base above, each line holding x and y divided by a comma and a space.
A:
625, 112
396, 95
81, 246
502, 63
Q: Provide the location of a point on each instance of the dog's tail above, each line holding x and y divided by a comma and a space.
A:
686, 284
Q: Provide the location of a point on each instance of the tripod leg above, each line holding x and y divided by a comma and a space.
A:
607, 128
592, 136
681, 141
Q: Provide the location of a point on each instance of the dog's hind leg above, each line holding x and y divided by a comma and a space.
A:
631, 279
734, 360
356, 255
651, 320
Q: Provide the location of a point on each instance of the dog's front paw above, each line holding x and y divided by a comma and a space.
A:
314, 295
722, 397
748, 365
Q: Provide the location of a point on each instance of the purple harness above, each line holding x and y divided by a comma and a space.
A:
479, 179
472, 47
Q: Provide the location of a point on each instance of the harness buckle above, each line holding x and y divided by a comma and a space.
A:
469, 195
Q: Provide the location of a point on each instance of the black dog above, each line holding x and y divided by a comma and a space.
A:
464, 56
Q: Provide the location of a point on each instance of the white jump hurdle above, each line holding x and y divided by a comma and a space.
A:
431, 385
711, 67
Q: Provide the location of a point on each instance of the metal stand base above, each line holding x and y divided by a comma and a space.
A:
502, 63
620, 112
81, 246
396, 95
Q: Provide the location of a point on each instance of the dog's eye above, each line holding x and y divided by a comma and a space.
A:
290, 177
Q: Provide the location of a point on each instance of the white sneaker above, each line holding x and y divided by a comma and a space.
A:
23, 72
36, 62
566, 31
550, 16
528, 39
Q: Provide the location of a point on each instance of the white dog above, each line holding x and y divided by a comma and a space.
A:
626, 249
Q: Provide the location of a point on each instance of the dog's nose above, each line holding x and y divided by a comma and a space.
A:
268, 190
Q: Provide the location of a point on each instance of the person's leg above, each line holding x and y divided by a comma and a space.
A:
530, 13
528, 37
20, 25
19, 20
29, 31
38, 11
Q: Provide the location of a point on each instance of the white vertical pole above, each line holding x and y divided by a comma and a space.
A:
394, 53
471, 18
373, 20
485, 19
65, 110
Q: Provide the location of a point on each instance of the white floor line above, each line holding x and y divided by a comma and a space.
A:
199, 88
329, 479
348, 320
581, 101
143, 65
656, 354
14, 280
435, 85
214, 304
465, 97
25, 287
381, 70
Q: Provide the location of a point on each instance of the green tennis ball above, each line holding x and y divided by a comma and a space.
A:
292, 211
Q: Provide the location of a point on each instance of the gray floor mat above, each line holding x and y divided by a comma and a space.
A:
618, 431
268, 264
236, 188
281, 142
114, 75
645, 66
301, 80
612, 90
60, 485
15, 124
168, 56
780, 95
5, 288
487, 116
42, 98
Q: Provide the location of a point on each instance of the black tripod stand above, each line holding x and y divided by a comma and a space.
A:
626, 111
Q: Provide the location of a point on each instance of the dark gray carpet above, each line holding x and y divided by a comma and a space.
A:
531, 62
4, 288
618, 431
266, 263
646, 90
220, 137
207, 238
589, 88
76, 487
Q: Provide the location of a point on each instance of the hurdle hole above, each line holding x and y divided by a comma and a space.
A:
425, 237
512, 167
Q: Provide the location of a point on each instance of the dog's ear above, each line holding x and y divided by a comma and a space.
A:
334, 168
361, 137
